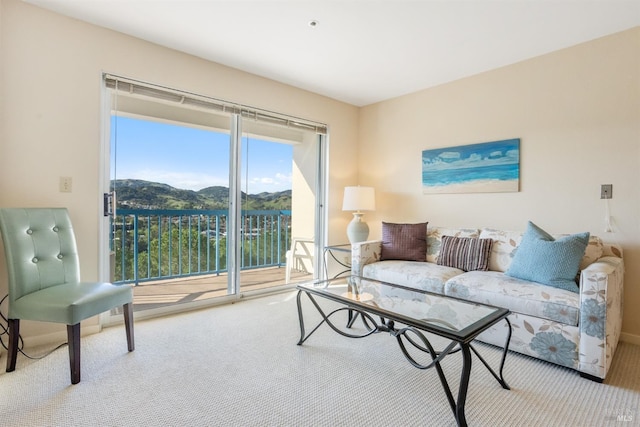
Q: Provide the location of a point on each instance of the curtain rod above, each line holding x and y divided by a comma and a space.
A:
136, 87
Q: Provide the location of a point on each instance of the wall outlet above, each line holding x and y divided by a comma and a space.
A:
66, 184
606, 191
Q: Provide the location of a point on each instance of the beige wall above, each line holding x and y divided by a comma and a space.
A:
51, 97
577, 113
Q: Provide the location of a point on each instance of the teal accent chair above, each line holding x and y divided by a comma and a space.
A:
44, 280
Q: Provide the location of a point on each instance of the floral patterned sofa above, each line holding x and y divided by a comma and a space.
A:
579, 330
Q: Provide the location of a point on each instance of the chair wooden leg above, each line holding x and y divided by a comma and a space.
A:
12, 351
128, 324
73, 337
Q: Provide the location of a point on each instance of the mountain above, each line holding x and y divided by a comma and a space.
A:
139, 194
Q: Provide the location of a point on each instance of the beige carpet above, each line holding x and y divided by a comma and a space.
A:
239, 365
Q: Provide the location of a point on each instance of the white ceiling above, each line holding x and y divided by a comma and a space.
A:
361, 51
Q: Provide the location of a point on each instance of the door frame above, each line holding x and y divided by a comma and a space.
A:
105, 262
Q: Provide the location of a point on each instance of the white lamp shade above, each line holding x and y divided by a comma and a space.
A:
359, 199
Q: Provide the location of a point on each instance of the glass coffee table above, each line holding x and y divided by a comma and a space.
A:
409, 316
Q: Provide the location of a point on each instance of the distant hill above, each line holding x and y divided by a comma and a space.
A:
139, 194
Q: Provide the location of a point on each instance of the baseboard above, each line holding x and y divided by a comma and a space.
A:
61, 336
630, 338
57, 337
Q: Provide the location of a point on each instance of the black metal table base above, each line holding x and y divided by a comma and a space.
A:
404, 336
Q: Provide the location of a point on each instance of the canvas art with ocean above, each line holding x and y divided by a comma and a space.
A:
476, 168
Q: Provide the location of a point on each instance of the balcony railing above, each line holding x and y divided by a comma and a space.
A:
167, 244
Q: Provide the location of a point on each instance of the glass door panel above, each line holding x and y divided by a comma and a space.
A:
209, 203
168, 235
278, 179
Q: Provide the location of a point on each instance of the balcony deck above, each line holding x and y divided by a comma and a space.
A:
156, 294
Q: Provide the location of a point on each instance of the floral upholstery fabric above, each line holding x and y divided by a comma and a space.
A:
521, 296
543, 319
364, 253
613, 250
601, 286
592, 253
503, 249
588, 347
540, 338
425, 276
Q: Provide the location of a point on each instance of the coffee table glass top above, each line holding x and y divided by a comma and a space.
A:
432, 312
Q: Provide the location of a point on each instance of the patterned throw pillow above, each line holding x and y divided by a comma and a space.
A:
434, 239
406, 242
543, 259
465, 253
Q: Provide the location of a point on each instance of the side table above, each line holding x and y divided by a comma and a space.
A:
341, 254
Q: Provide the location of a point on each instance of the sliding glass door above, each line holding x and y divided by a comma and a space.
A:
208, 202
168, 235
278, 183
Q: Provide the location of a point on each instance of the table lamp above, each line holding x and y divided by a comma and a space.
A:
358, 199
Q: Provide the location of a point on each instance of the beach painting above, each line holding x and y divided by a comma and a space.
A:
489, 167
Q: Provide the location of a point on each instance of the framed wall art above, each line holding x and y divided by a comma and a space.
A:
488, 167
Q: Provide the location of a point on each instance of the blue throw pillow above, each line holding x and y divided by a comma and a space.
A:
543, 259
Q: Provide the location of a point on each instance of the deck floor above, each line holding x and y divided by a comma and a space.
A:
155, 294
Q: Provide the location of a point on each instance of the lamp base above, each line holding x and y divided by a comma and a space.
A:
357, 230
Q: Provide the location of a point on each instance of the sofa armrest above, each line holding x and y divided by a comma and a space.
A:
600, 323
364, 253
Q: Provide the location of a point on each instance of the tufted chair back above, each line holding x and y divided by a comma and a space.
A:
40, 248
44, 280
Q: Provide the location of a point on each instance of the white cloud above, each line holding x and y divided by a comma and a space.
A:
474, 160
197, 181
183, 180
283, 178
279, 182
514, 154
449, 155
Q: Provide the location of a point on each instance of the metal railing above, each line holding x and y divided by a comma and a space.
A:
153, 244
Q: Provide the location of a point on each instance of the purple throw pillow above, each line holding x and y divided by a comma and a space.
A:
406, 242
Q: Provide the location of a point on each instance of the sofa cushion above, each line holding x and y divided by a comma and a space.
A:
503, 249
425, 276
543, 259
519, 296
404, 242
592, 253
434, 239
465, 253
505, 245
608, 249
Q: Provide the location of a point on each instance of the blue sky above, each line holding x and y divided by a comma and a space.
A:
192, 159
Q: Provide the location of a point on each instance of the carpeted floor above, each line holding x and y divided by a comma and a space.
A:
239, 365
